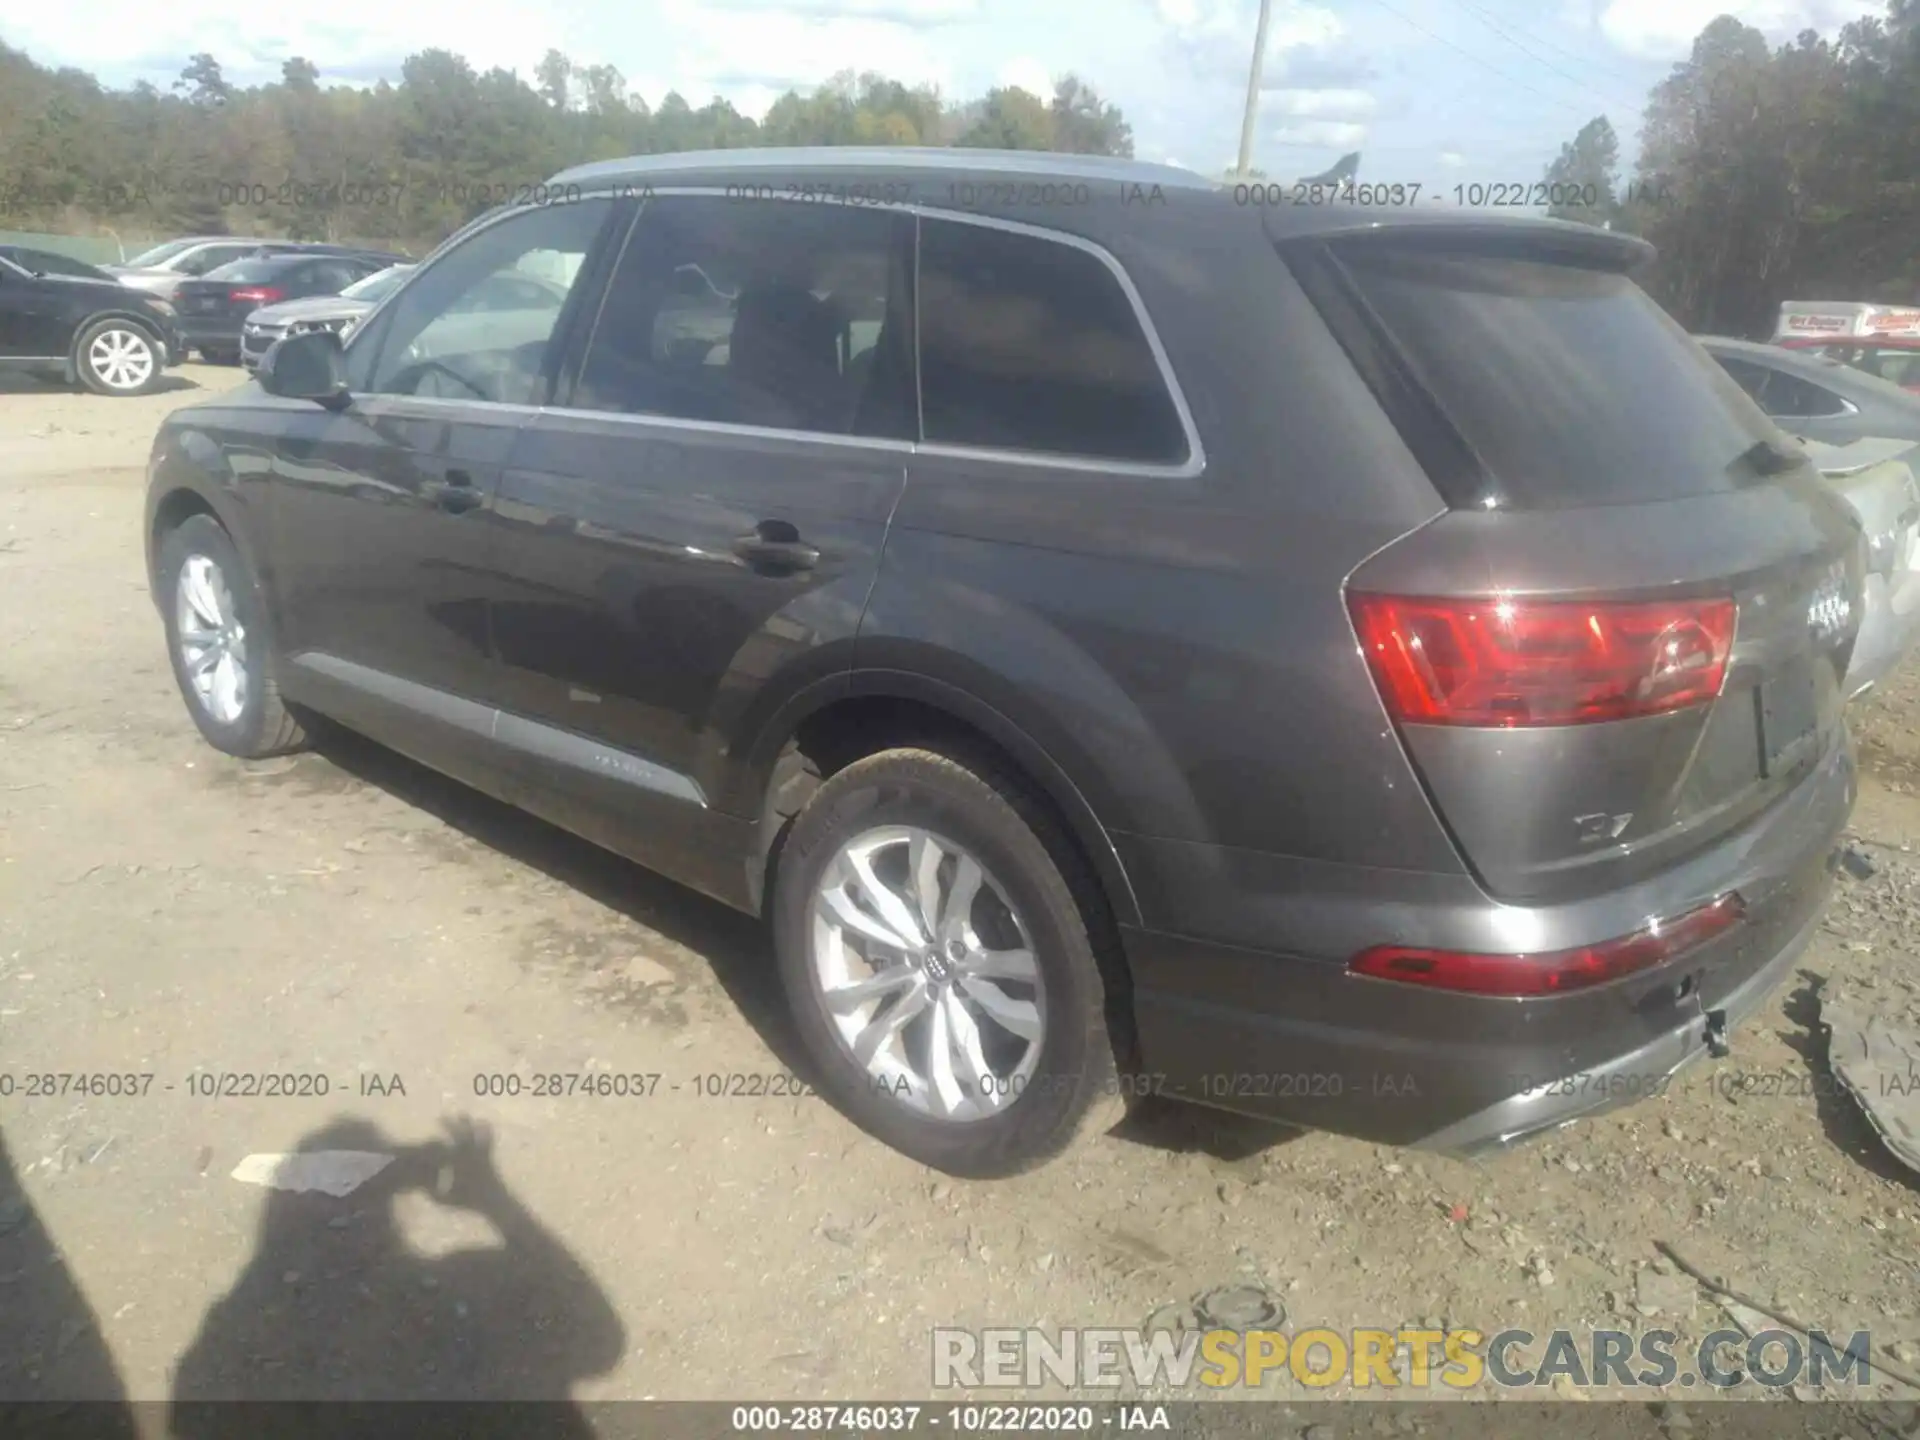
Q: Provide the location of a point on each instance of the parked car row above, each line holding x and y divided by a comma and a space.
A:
116, 329
1369, 669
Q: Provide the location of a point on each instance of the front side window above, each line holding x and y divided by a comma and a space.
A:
791, 317
435, 342
1032, 344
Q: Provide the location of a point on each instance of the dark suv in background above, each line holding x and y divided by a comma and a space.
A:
1369, 669
64, 321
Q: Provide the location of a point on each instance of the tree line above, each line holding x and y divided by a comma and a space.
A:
1770, 173
1764, 172
403, 164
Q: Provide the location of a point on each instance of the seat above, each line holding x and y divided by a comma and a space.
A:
784, 359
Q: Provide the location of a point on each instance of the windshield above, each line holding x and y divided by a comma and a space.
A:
158, 253
1571, 385
378, 285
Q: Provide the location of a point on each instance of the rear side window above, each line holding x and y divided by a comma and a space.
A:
249, 272
1790, 397
1570, 385
1748, 376
1032, 344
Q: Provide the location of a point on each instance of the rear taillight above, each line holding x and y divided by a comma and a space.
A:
1504, 662
1551, 972
259, 294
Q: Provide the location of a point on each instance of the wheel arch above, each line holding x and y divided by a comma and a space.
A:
834, 722
142, 323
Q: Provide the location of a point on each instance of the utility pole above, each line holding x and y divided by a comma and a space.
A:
1253, 86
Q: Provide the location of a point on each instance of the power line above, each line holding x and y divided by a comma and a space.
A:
1499, 29
1413, 24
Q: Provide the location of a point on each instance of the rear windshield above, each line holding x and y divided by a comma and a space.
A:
1570, 384
250, 271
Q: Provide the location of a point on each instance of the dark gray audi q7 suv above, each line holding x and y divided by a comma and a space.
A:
1367, 668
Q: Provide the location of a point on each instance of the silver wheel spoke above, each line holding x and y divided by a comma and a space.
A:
977, 1075
944, 1090
1021, 1017
895, 913
888, 1024
847, 911
848, 998
203, 663
1003, 965
964, 891
923, 863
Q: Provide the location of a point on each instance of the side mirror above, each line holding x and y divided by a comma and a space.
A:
307, 366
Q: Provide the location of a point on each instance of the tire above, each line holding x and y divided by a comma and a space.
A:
118, 357
249, 721
220, 357
970, 806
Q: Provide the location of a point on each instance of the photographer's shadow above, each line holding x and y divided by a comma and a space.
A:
337, 1305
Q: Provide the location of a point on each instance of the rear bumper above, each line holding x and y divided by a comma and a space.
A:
216, 333
1294, 1037
1887, 628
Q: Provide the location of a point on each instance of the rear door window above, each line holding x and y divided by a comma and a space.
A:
1032, 344
1569, 384
781, 316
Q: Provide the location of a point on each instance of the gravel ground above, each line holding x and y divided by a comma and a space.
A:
165, 910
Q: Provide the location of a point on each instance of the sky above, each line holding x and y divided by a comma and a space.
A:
1431, 92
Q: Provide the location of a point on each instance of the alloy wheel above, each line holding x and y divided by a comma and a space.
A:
927, 973
123, 359
213, 642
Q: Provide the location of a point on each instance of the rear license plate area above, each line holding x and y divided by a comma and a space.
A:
1789, 716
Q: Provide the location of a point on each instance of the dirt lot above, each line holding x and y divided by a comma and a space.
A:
165, 910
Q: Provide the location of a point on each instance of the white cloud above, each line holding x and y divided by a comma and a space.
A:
1300, 27
913, 13
1452, 159
1325, 104
714, 50
1321, 132
1666, 29
1027, 74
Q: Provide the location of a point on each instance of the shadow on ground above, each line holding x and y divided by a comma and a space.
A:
1840, 1116
56, 1375
337, 1305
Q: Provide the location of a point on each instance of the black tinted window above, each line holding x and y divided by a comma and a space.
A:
251, 272
329, 277
1032, 344
1748, 376
1570, 384
788, 316
1790, 397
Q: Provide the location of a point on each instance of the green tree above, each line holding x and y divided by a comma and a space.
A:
1085, 124
1011, 119
1585, 175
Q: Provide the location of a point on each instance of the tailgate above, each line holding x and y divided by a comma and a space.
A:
1602, 474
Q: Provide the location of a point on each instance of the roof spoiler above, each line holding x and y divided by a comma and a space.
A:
1520, 237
